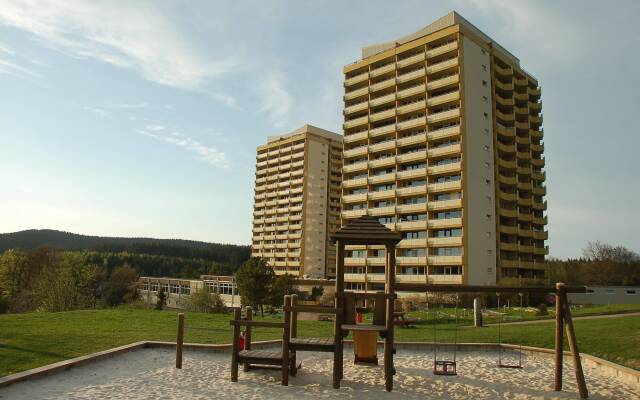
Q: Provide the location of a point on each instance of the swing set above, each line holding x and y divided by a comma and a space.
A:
562, 317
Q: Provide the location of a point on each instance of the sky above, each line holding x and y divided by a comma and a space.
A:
121, 118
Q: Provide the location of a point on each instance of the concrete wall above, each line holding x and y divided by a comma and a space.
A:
607, 295
478, 180
315, 208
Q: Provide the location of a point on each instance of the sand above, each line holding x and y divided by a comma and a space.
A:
150, 374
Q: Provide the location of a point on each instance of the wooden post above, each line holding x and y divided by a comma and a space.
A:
573, 345
247, 337
390, 294
560, 293
235, 346
286, 332
294, 333
337, 328
180, 340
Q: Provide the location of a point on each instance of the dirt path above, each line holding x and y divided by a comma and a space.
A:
550, 320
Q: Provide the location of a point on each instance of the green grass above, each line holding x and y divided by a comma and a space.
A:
35, 339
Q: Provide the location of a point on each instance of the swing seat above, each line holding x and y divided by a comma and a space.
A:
443, 367
512, 366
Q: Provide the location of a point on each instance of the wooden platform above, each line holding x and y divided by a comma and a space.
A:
260, 357
312, 344
364, 327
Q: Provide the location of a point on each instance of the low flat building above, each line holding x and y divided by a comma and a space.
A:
601, 295
179, 290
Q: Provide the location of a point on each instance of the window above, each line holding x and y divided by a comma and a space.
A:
414, 235
631, 292
484, 67
484, 83
448, 251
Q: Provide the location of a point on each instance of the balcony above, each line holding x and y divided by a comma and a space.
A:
354, 137
348, 214
408, 208
508, 213
520, 81
411, 261
539, 190
509, 230
375, 179
412, 243
436, 51
412, 190
386, 145
523, 155
443, 98
535, 106
507, 148
443, 82
507, 196
411, 91
537, 147
535, 92
444, 204
356, 122
355, 261
411, 225
508, 132
508, 71
354, 198
416, 105
382, 100
375, 277
540, 220
521, 110
524, 202
412, 173
445, 241
382, 194
504, 116
445, 279
444, 186
540, 206
383, 69
411, 123
382, 130
380, 211
538, 162
382, 162
382, 115
383, 85
506, 164
444, 132
541, 235
536, 134
411, 75
356, 93
356, 107
411, 278
414, 139
356, 79
349, 183
504, 86
358, 151
522, 125
410, 60
445, 260
535, 119
359, 166
354, 277
445, 223
450, 63
508, 246
413, 156
507, 180
444, 169
444, 115
541, 251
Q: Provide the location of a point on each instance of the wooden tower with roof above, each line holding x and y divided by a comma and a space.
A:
365, 231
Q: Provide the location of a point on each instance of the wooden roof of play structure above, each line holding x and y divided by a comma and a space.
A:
366, 230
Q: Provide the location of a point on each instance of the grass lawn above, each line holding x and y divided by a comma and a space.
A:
35, 339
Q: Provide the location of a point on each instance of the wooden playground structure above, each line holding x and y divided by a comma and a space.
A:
368, 231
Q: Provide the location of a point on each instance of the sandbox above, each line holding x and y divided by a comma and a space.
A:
150, 373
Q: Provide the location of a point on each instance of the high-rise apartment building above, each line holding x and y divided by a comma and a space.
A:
297, 202
443, 142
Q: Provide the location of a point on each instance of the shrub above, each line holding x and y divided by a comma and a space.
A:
542, 310
203, 301
162, 299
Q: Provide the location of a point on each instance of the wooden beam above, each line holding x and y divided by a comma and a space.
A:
235, 346
180, 341
247, 337
560, 296
286, 333
293, 332
262, 324
339, 305
573, 345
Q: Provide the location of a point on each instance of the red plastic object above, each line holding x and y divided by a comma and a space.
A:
241, 341
359, 317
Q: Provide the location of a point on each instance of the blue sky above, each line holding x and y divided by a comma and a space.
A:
141, 118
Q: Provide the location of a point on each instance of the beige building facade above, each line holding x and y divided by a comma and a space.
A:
443, 143
297, 202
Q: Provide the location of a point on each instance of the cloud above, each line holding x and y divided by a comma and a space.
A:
275, 100
100, 112
141, 104
9, 64
204, 153
129, 35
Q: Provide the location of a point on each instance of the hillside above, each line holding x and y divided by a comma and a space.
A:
233, 255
